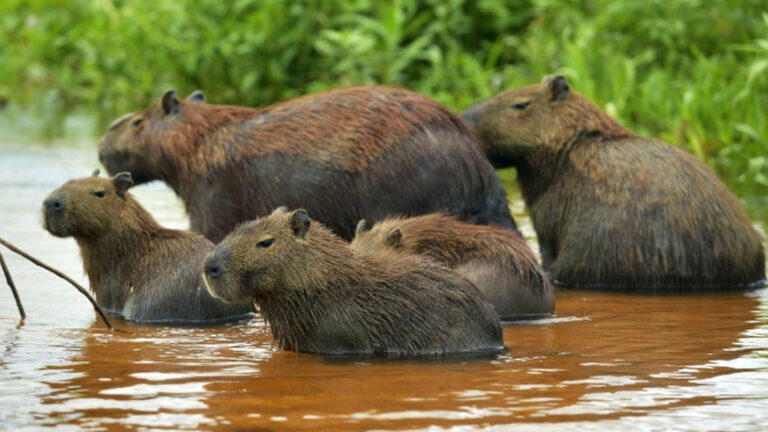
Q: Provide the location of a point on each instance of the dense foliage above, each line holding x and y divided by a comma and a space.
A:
692, 72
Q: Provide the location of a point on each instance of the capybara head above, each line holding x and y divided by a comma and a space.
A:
385, 235
141, 143
517, 123
262, 256
87, 207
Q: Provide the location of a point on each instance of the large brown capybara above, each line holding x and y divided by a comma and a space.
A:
328, 152
496, 260
613, 210
137, 269
320, 295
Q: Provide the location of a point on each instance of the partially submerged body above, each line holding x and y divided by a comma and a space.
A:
496, 260
137, 269
321, 296
613, 210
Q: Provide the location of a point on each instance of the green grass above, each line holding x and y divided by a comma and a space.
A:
691, 72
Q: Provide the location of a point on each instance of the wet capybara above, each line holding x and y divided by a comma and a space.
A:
137, 269
327, 152
613, 210
496, 260
320, 295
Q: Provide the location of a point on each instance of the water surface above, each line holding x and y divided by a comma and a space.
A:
603, 362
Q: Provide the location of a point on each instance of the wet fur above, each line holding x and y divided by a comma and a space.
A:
328, 152
613, 210
496, 260
321, 296
137, 269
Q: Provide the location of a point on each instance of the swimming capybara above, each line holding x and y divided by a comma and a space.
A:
327, 152
320, 295
496, 260
613, 210
137, 269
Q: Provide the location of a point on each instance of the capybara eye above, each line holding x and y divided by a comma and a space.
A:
265, 243
99, 194
137, 122
521, 106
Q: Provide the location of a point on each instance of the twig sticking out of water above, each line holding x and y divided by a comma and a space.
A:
61, 275
9, 279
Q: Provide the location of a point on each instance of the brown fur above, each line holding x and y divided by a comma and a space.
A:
137, 269
320, 295
496, 260
612, 209
328, 152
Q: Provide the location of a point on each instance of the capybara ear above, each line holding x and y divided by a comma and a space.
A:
300, 223
196, 96
122, 182
558, 88
96, 172
362, 226
169, 102
394, 237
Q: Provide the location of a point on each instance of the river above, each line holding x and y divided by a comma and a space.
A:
605, 361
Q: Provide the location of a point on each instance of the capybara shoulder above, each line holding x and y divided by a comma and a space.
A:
613, 210
320, 295
327, 152
137, 269
496, 260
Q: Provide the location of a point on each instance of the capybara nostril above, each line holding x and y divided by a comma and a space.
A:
54, 204
212, 270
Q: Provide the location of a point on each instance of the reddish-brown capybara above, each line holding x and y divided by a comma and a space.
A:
496, 260
348, 154
611, 209
137, 269
320, 295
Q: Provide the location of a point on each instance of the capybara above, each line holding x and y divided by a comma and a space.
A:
327, 152
613, 210
137, 269
496, 260
320, 295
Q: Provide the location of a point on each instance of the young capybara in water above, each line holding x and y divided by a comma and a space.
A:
328, 152
612, 209
320, 295
136, 268
496, 260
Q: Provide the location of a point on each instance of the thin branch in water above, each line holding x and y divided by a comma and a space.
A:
9, 279
61, 275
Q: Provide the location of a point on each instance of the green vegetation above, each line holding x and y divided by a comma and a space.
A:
692, 72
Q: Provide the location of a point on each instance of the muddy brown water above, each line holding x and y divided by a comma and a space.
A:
603, 362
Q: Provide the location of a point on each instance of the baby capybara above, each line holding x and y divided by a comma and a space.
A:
328, 152
612, 209
137, 269
320, 295
496, 260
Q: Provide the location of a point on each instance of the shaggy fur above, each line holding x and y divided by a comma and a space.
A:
327, 152
611, 209
496, 260
320, 295
137, 269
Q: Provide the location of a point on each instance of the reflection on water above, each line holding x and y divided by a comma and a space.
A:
604, 362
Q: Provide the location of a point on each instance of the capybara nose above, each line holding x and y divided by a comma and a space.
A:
54, 204
215, 264
213, 270
470, 115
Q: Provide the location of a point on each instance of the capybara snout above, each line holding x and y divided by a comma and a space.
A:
53, 209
